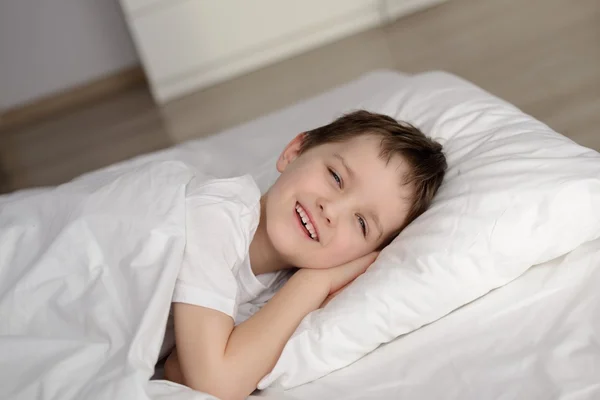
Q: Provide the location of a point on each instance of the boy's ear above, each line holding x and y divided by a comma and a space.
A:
290, 153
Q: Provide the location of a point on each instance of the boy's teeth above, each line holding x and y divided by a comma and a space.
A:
309, 226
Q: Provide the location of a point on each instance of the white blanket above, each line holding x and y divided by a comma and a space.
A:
87, 269
86, 275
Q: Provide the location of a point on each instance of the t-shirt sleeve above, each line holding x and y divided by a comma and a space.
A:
217, 224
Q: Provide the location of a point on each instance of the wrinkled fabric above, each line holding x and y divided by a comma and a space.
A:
87, 269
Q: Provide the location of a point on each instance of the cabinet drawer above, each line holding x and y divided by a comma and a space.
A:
194, 35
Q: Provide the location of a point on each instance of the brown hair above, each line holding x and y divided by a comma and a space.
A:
424, 155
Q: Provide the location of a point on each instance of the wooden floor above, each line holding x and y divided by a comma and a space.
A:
542, 55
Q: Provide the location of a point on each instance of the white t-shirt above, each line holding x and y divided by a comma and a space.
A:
221, 218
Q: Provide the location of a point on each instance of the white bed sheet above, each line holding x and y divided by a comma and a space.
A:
535, 338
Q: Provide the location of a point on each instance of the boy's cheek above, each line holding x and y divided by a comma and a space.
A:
345, 254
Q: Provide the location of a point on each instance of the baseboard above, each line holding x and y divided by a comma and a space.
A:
73, 98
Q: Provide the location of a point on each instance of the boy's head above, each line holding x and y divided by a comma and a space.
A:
349, 187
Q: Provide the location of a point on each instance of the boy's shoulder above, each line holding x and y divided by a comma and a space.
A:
221, 217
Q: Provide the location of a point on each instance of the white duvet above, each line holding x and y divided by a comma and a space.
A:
86, 275
87, 269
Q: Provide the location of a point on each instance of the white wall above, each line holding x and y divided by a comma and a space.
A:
49, 45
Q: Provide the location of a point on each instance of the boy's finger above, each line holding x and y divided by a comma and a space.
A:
364, 262
350, 271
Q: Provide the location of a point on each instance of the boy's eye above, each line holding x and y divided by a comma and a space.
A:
363, 225
338, 179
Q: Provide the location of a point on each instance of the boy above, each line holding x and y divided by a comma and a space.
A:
345, 191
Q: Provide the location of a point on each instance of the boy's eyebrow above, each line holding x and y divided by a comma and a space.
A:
351, 173
348, 169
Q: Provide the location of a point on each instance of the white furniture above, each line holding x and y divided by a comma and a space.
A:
186, 45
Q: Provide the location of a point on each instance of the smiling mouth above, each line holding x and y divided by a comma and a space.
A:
306, 223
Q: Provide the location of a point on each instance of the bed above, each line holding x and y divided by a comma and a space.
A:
538, 337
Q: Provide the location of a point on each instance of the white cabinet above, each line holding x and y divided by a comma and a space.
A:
186, 45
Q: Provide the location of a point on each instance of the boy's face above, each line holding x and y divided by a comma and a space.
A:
349, 198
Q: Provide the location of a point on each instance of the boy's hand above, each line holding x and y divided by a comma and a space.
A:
342, 275
339, 277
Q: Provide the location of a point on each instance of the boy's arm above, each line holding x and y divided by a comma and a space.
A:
227, 362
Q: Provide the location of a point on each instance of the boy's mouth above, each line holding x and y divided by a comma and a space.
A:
306, 223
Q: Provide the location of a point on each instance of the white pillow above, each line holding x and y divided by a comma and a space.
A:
516, 194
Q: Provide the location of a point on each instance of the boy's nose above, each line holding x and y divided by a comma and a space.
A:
325, 212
